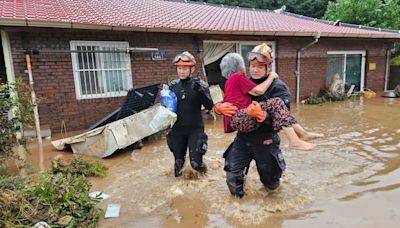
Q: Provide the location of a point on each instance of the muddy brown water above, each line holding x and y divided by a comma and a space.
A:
352, 179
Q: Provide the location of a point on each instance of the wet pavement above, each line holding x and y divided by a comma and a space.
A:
350, 180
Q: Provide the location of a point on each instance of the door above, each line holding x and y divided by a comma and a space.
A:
350, 66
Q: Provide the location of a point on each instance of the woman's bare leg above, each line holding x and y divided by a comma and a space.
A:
295, 142
305, 135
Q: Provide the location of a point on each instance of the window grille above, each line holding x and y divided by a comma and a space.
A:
101, 69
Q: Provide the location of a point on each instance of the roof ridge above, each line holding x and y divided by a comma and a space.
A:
220, 5
334, 23
338, 23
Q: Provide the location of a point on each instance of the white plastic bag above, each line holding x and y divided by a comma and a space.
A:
164, 119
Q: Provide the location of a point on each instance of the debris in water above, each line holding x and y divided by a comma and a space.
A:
99, 195
112, 211
177, 190
41, 225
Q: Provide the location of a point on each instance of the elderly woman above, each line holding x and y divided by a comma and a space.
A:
238, 89
251, 120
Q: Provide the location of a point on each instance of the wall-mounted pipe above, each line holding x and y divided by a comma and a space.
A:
298, 57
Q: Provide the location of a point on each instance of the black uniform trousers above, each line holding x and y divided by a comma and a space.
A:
267, 155
180, 138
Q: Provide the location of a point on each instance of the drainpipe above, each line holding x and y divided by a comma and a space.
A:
387, 66
298, 57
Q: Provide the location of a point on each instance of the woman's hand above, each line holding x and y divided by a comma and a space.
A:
273, 75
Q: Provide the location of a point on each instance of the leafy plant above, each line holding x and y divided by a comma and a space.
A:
80, 167
395, 61
376, 13
325, 96
59, 197
22, 108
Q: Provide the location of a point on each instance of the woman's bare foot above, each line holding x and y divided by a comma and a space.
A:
301, 145
311, 135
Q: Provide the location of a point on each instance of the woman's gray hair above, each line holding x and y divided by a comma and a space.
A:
232, 63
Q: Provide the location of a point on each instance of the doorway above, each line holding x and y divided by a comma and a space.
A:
349, 65
215, 50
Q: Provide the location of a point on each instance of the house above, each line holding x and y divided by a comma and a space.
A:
83, 68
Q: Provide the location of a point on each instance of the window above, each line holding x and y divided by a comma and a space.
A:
101, 69
349, 65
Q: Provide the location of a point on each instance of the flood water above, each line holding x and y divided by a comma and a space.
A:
352, 179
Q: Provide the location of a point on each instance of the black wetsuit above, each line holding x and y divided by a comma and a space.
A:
188, 130
262, 145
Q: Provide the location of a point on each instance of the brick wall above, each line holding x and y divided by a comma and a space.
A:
53, 75
314, 62
54, 82
314, 59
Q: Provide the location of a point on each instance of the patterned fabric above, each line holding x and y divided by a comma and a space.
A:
281, 116
244, 123
275, 107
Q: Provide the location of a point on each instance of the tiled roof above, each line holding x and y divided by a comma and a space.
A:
168, 16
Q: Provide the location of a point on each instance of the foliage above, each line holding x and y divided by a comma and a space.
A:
395, 61
12, 183
314, 99
375, 13
311, 8
79, 166
59, 197
20, 209
68, 195
390, 15
23, 115
325, 96
259, 4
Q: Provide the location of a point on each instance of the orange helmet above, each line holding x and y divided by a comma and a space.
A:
260, 54
184, 59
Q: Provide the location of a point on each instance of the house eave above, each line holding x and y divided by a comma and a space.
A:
74, 25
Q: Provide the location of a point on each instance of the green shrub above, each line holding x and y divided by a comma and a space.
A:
395, 60
23, 115
79, 166
59, 197
325, 96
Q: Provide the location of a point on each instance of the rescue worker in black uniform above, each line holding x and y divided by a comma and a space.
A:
263, 143
188, 130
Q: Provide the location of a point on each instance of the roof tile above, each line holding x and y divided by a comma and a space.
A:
165, 14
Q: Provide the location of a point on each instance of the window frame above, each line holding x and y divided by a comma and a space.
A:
100, 58
363, 54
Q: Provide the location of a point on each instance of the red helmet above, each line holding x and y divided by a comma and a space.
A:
184, 59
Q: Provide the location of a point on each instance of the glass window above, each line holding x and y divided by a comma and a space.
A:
101, 69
